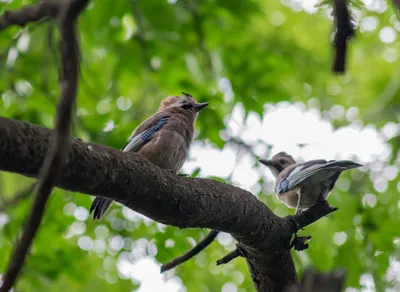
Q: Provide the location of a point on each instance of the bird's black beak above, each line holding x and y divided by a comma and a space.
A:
199, 106
267, 162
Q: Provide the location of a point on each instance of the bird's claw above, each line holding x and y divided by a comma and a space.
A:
300, 243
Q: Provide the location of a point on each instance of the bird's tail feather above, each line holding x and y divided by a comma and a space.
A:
342, 164
100, 207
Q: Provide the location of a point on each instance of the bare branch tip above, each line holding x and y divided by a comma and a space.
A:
165, 268
230, 256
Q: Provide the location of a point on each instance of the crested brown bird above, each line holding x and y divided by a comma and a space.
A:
163, 138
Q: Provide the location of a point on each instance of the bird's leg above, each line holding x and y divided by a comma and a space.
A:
298, 211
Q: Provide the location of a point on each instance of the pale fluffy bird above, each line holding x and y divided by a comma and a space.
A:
302, 185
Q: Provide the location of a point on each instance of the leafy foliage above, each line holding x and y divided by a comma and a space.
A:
228, 52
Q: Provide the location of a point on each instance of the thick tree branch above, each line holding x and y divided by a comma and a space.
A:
58, 150
344, 32
30, 13
187, 202
138, 184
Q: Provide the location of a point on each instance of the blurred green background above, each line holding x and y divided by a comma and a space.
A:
231, 53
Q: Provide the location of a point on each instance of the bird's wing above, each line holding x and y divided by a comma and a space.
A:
300, 172
144, 132
292, 176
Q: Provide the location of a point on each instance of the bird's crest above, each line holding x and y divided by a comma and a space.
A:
174, 100
282, 154
187, 95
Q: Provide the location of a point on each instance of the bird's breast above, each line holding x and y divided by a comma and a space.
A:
167, 149
289, 198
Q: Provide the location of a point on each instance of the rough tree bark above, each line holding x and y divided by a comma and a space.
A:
186, 202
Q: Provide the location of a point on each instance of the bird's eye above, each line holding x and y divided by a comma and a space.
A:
187, 106
281, 161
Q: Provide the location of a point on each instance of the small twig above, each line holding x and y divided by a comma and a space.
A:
18, 197
30, 13
237, 252
53, 163
230, 256
344, 32
190, 253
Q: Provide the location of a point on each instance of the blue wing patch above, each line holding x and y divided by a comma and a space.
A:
138, 141
146, 135
283, 187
